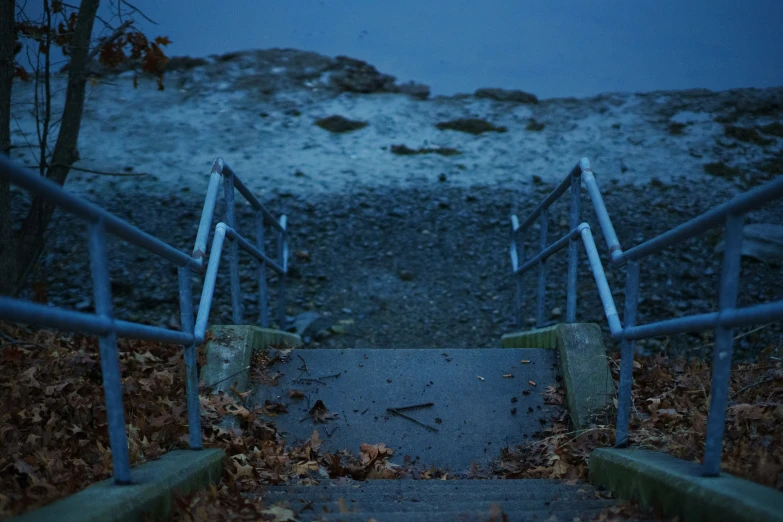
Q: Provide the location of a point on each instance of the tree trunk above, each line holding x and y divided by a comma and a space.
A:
7, 246
32, 235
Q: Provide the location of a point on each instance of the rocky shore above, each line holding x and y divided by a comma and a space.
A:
399, 203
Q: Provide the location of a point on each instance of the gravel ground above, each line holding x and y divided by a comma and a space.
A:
423, 267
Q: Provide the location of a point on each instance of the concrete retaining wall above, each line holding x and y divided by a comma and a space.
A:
583, 364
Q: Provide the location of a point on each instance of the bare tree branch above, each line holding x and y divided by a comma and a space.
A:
137, 10
32, 233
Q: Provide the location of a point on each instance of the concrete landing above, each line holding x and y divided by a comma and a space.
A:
474, 417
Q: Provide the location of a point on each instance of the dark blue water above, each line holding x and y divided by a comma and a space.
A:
548, 47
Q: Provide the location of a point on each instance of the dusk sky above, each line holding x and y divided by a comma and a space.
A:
548, 47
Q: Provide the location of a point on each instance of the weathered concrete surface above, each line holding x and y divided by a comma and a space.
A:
150, 494
539, 338
478, 417
583, 365
678, 489
585, 369
448, 500
230, 350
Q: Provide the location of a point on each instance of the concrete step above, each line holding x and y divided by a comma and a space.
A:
469, 500
476, 410
459, 516
440, 505
426, 490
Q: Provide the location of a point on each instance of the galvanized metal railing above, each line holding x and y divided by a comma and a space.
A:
221, 171
730, 214
103, 323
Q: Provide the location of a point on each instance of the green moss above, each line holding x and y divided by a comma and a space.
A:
746, 134
533, 125
339, 124
404, 150
470, 125
721, 170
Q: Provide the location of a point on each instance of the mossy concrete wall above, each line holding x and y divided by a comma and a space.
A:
149, 497
229, 352
583, 364
677, 488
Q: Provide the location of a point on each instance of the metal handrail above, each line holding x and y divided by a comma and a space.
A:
731, 214
103, 323
230, 181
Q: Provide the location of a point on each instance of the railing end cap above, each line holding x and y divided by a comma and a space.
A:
218, 165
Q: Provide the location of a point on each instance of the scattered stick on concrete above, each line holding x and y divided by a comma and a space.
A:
335, 376
415, 406
227, 378
400, 414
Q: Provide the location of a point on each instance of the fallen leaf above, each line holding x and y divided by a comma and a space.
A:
280, 514
242, 395
319, 412
296, 394
273, 408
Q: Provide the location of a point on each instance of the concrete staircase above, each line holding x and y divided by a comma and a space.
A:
478, 401
481, 400
442, 500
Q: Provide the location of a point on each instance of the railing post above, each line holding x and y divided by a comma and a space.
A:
722, 356
263, 310
541, 304
110, 360
626, 356
519, 302
233, 257
189, 355
573, 249
517, 254
282, 260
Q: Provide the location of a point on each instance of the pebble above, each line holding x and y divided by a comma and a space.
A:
357, 267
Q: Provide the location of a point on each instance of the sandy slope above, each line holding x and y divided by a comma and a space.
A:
225, 108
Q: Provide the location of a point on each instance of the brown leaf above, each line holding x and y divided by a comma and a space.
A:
319, 412
279, 514
273, 408
242, 395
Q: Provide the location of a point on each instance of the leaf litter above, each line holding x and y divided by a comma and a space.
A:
54, 438
53, 427
670, 401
